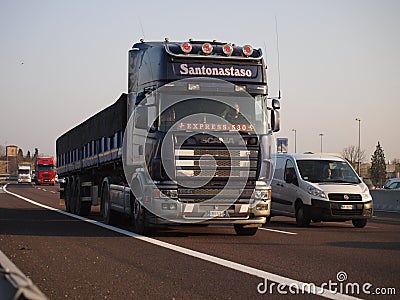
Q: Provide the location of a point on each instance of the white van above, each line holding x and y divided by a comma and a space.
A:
319, 188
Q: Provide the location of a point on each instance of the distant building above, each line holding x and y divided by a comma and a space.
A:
9, 164
11, 151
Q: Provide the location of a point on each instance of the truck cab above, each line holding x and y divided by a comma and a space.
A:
24, 174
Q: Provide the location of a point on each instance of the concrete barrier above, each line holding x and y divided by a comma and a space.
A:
14, 284
386, 200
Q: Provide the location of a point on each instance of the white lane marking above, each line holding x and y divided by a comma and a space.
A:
44, 190
206, 257
52, 192
279, 231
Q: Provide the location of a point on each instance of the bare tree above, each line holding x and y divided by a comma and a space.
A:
351, 154
2, 151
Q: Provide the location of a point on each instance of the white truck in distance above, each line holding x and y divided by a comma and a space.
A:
24, 174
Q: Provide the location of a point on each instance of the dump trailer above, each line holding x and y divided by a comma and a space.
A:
191, 142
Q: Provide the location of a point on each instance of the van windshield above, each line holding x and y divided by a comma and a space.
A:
327, 171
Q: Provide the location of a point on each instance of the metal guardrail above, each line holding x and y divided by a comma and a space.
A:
14, 284
386, 200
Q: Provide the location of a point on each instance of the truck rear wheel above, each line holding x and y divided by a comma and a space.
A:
109, 216
240, 230
67, 194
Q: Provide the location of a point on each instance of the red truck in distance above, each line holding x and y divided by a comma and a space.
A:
45, 172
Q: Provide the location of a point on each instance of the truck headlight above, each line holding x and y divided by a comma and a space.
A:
262, 194
365, 194
316, 192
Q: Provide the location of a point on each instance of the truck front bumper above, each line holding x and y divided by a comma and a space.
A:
170, 212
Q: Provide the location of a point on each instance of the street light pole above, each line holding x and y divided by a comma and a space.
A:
359, 145
295, 140
6, 159
321, 135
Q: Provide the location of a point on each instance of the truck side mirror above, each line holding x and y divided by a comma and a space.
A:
275, 121
276, 104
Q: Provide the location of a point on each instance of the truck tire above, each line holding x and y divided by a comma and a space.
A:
140, 218
67, 195
302, 215
359, 223
243, 231
110, 217
81, 208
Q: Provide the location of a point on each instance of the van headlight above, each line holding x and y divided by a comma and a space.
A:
365, 194
316, 192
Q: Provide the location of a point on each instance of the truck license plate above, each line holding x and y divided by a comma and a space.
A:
346, 206
216, 213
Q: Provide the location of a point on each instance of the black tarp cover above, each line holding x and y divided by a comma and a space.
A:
103, 124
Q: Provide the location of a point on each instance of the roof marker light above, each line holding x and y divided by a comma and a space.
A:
247, 50
227, 49
207, 48
186, 47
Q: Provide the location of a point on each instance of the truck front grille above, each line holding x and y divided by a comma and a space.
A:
215, 168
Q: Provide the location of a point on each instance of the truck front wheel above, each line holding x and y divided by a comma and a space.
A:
240, 230
139, 214
359, 223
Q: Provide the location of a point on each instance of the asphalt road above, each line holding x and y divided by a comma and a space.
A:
73, 258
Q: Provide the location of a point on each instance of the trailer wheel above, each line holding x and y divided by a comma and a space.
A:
67, 194
243, 231
81, 208
110, 216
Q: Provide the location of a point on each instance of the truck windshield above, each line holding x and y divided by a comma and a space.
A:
23, 171
205, 114
327, 171
46, 167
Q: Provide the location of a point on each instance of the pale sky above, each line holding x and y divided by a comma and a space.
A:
62, 61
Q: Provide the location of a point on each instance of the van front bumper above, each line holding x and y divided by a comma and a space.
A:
340, 210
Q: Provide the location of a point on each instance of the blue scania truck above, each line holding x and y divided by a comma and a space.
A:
191, 141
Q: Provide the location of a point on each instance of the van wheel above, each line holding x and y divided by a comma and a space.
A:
243, 231
359, 223
302, 215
